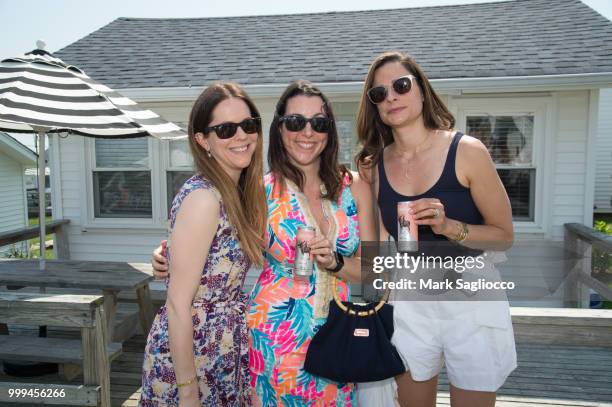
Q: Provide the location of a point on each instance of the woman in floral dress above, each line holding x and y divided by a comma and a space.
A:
197, 350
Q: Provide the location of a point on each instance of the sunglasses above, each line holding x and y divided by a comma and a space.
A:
297, 122
228, 130
401, 86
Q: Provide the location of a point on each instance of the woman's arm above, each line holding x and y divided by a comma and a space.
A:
351, 271
476, 170
193, 232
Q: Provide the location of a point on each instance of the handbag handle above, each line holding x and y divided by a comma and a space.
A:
351, 311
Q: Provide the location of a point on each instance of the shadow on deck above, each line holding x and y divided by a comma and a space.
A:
548, 375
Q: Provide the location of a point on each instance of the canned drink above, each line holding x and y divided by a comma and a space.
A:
407, 230
302, 266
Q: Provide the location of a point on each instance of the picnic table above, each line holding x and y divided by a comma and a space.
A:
108, 277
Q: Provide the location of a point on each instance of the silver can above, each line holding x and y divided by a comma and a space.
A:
302, 266
407, 230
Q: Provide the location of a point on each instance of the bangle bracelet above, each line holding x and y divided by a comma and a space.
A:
463, 232
187, 383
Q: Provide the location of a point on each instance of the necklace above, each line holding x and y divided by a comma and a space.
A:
406, 166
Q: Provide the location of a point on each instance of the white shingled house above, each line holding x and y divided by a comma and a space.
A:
514, 74
14, 159
603, 180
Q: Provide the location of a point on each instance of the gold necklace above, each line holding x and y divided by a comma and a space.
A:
406, 172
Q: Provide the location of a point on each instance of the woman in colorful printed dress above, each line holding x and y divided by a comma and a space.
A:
197, 350
412, 153
305, 186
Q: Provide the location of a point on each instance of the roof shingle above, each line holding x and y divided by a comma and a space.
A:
512, 38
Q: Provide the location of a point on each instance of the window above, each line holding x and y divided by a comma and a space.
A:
180, 168
510, 139
122, 179
345, 114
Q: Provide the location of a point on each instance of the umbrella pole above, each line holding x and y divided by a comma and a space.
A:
41, 197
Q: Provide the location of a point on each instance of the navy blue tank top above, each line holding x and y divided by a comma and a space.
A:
457, 200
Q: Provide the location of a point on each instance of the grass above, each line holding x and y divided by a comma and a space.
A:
35, 254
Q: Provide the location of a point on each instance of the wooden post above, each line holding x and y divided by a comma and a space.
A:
96, 369
570, 298
61, 242
110, 310
145, 308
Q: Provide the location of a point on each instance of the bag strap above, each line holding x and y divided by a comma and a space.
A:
385, 297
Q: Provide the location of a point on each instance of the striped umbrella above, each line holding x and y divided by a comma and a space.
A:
40, 93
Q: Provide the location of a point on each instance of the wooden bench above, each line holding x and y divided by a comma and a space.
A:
91, 352
562, 326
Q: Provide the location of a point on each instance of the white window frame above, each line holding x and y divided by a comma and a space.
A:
87, 193
542, 108
165, 168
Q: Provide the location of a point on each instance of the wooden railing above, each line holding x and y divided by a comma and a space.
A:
59, 227
580, 241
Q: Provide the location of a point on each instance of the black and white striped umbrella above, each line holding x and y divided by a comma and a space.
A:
40, 90
40, 93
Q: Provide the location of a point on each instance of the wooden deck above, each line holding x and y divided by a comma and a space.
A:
547, 376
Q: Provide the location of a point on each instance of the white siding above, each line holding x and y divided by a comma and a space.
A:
568, 185
603, 177
12, 194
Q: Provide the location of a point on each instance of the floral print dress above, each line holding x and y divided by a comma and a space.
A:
220, 339
284, 314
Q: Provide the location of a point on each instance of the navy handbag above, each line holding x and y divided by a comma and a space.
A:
354, 344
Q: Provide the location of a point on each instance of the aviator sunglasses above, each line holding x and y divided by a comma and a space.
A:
228, 130
401, 86
297, 122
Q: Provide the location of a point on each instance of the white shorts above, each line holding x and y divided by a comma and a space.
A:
474, 339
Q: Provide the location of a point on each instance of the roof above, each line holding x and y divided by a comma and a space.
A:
502, 39
16, 150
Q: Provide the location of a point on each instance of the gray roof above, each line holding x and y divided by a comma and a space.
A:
513, 38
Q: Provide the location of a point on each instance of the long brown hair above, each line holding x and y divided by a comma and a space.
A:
246, 205
374, 135
330, 171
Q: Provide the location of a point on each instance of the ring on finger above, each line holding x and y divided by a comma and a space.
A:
436, 213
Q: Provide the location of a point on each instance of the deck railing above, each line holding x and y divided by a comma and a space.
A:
582, 242
59, 227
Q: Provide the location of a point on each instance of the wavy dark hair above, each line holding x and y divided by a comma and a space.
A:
373, 134
330, 171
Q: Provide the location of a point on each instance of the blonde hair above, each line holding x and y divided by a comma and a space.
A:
245, 205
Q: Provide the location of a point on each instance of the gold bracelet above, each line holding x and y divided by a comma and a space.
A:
463, 233
187, 383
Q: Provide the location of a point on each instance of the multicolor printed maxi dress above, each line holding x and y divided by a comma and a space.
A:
284, 314
220, 339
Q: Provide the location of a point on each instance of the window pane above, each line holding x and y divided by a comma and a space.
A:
174, 182
122, 194
508, 138
132, 152
346, 141
180, 156
520, 185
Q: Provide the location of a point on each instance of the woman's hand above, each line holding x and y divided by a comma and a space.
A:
322, 252
430, 211
159, 261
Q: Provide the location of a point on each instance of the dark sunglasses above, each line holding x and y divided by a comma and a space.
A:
297, 122
228, 130
401, 86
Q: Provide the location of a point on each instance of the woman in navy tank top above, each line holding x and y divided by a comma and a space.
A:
411, 153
